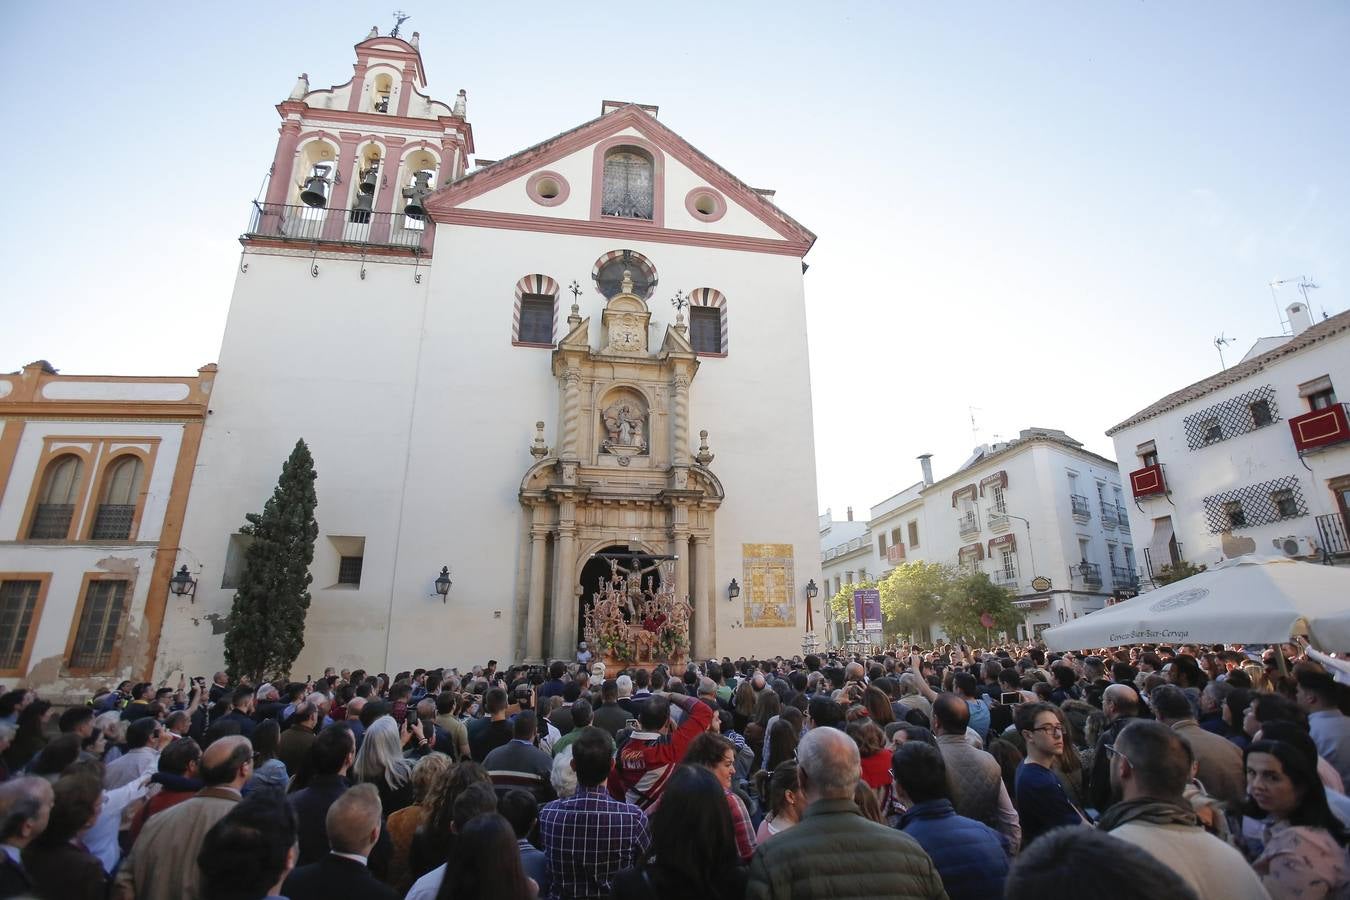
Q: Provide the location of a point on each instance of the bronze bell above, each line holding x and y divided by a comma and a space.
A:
370, 178
417, 194
315, 191
361, 208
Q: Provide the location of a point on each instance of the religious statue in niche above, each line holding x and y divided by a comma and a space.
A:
625, 424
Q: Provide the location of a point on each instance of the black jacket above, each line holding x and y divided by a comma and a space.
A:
335, 878
14, 880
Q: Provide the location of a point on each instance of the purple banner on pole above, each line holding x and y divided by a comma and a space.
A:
867, 605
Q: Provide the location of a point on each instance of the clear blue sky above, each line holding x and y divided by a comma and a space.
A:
1044, 211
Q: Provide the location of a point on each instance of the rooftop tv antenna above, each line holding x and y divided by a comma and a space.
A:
400, 17
1219, 343
974, 429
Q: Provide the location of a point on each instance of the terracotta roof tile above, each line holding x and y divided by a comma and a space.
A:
1316, 334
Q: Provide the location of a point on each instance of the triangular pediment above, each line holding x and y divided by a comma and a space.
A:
569, 165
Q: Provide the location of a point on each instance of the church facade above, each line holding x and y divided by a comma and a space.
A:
514, 372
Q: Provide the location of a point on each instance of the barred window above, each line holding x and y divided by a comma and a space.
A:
117, 506
100, 621
628, 182
349, 570
56, 499
705, 329
18, 602
1256, 504
536, 319
1239, 415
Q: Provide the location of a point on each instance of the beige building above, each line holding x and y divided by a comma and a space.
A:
94, 478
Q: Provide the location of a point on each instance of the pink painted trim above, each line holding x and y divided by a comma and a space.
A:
719, 204
658, 179
548, 152
614, 229
532, 188
405, 94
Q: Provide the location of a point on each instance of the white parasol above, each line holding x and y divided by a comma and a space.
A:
1247, 600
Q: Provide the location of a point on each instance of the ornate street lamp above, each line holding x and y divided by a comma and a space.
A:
811, 590
183, 585
443, 582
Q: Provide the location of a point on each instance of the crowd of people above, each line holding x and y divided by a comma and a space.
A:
974, 774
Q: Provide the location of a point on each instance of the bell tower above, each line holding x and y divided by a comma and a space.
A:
355, 162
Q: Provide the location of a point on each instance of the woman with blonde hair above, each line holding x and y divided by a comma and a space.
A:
402, 823
381, 762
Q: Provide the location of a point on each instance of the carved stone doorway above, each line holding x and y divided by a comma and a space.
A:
596, 568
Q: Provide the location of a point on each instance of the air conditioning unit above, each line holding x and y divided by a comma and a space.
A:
1295, 546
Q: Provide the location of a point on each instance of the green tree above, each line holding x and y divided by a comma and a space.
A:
1177, 571
841, 604
911, 596
267, 620
969, 597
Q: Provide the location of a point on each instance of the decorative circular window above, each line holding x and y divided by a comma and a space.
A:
608, 273
547, 188
705, 204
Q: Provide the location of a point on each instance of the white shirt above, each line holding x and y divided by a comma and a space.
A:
354, 857
428, 886
102, 838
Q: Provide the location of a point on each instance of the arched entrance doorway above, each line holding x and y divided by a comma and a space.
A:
596, 571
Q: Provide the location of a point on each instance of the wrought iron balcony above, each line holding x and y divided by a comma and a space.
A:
1333, 534
346, 227
1079, 504
1123, 577
51, 522
1321, 427
1091, 573
1108, 514
1004, 579
1123, 517
1151, 569
968, 524
112, 522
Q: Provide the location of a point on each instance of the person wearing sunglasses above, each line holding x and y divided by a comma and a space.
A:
1041, 801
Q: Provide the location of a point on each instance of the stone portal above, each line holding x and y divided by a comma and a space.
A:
620, 475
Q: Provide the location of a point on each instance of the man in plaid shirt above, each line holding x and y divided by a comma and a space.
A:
590, 837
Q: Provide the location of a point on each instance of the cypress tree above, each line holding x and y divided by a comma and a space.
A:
267, 619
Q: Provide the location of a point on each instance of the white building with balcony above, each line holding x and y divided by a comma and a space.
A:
1039, 514
1253, 459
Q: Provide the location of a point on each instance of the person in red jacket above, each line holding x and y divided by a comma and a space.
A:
177, 778
645, 763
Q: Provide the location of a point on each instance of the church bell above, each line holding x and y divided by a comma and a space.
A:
370, 178
361, 208
315, 191
417, 194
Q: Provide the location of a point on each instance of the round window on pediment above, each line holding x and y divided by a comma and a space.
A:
609, 271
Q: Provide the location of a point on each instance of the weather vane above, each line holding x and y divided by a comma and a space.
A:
401, 17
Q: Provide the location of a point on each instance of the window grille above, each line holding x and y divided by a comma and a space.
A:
1256, 504
112, 522
536, 320
705, 329
51, 521
100, 620
349, 570
627, 190
18, 601
1244, 413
